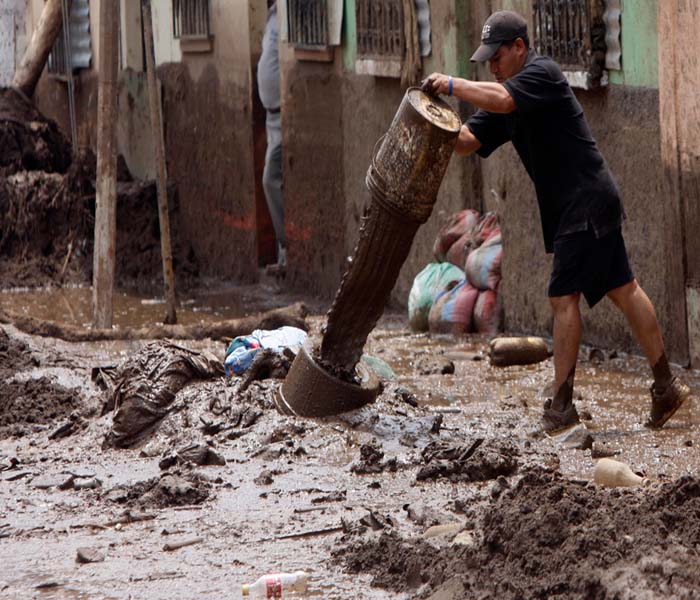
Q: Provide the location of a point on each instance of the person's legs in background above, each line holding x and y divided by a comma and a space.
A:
272, 181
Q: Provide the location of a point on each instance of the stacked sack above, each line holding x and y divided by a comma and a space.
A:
464, 285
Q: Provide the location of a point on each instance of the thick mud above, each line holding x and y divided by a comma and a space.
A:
436, 491
47, 203
548, 537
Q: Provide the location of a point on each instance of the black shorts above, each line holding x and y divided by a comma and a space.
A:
589, 265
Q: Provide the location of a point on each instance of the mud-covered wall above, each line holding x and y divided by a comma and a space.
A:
332, 119
208, 124
625, 122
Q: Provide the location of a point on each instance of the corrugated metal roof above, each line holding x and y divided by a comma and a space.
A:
81, 45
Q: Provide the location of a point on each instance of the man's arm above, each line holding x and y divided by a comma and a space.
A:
490, 96
467, 142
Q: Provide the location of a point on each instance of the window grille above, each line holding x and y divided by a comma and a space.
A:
191, 19
380, 29
572, 33
308, 24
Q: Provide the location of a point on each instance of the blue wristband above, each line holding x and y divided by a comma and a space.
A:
449, 88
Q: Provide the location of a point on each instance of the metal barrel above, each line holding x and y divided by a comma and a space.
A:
403, 180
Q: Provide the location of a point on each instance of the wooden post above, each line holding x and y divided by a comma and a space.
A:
29, 71
106, 186
161, 178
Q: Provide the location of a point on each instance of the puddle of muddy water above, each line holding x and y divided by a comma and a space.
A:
73, 306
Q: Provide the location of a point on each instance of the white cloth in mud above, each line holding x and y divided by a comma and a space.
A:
242, 350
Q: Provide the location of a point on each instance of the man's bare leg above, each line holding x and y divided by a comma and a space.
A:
567, 338
639, 311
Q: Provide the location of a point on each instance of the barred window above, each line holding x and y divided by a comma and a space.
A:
308, 24
380, 29
572, 32
191, 19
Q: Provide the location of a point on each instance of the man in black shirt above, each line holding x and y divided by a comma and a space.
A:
532, 105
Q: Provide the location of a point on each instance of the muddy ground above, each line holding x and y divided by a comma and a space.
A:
353, 499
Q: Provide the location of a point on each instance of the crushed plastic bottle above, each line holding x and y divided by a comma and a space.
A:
277, 585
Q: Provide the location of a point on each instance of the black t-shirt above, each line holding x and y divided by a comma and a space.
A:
574, 186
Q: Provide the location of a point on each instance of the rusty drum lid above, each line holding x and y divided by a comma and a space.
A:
434, 110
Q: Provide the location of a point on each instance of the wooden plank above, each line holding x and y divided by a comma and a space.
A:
161, 176
106, 185
676, 333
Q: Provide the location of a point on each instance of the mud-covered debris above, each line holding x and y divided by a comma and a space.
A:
201, 454
371, 455
405, 395
15, 356
575, 438
476, 462
87, 483
146, 385
435, 365
34, 402
396, 564
89, 555
266, 477
424, 515
267, 364
376, 521
603, 449
198, 454
167, 490
548, 537
338, 496
61, 481
74, 423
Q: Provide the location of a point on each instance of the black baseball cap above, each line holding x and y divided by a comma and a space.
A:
502, 26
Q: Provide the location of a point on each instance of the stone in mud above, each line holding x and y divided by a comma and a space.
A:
575, 438
89, 555
435, 365
602, 449
62, 481
447, 530
201, 454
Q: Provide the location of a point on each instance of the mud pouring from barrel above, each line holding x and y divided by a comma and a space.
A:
403, 180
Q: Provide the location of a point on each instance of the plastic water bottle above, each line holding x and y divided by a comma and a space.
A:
612, 473
277, 585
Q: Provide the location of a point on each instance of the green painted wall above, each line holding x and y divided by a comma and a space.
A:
349, 35
640, 37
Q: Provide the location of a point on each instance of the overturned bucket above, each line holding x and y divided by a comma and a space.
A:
403, 180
